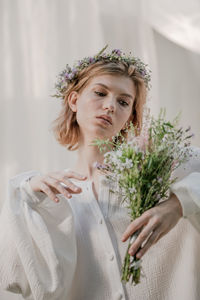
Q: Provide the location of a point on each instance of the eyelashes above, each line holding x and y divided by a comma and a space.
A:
100, 94
103, 94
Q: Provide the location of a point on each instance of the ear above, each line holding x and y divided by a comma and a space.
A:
72, 100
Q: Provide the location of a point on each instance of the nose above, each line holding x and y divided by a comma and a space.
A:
109, 103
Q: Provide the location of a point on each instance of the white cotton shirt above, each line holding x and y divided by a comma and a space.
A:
72, 250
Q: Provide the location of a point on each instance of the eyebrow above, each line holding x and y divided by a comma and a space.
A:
122, 94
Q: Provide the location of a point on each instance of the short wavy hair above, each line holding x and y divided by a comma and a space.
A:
65, 127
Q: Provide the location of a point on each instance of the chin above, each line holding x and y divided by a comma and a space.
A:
103, 134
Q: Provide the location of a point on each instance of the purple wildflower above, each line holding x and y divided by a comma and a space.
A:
70, 76
66, 75
91, 59
143, 73
117, 51
74, 70
100, 166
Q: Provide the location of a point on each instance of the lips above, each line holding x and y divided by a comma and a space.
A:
106, 117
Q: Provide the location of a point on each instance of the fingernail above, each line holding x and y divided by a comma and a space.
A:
57, 200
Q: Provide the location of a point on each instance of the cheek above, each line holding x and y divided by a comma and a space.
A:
88, 102
86, 110
124, 116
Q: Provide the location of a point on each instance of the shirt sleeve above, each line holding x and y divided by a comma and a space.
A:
37, 242
187, 187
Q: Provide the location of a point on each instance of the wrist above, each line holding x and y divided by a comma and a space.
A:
175, 200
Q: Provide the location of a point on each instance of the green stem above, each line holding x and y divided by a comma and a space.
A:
129, 271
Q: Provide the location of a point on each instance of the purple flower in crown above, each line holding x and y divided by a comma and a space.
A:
74, 70
117, 51
70, 76
66, 75
91, 59
104, 55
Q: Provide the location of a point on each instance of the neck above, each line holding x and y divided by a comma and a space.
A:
87, 156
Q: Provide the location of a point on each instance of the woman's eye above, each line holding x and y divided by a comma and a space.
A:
100, 94
124, 103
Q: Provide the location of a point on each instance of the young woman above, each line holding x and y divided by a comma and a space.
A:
64, 234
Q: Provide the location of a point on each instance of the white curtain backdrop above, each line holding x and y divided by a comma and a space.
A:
38, 38
177, 20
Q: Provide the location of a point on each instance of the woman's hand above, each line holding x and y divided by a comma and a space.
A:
52, 184
156, 221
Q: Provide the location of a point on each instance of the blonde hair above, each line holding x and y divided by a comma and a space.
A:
65, 126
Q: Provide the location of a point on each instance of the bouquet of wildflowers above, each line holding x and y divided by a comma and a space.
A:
142, 165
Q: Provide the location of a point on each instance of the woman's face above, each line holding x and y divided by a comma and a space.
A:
109, 95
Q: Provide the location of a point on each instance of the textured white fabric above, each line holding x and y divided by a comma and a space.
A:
72, 250
37, 243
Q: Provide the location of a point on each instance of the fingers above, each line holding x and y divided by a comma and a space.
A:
154, 237
56, 184
65, 183
154, 224
144, 234
135, 225
46, 189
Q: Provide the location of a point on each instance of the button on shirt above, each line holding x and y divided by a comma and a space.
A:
111, 256
96, 252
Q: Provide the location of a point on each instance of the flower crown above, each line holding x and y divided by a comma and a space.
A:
69, 74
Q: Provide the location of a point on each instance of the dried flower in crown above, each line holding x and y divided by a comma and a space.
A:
69, 74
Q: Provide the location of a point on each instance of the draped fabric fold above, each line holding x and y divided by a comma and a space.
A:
37, 243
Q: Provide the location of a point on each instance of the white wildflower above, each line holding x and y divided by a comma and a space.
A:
132, 190
128, 164
119, 153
